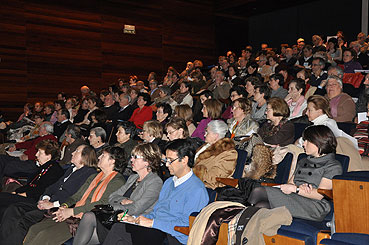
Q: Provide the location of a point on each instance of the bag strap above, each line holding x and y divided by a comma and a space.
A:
243, 221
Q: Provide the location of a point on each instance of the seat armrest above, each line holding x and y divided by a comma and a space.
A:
269, 184
228, 181
182, 229
326, 193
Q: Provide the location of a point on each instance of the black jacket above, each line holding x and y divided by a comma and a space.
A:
47, 175
60, 190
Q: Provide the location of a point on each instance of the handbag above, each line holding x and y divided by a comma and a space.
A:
73, 223
106, 215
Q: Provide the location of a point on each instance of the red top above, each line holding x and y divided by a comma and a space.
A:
30, 145
140, 116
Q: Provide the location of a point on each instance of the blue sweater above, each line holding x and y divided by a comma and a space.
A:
175, 205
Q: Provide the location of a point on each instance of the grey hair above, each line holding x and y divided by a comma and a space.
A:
338, 79
127, 97
218, 127
338, 69
48, 127
100, 132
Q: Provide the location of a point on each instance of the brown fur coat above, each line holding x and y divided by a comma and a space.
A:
261, 164
218, 160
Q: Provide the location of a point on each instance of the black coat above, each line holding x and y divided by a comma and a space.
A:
47, 175
60, 190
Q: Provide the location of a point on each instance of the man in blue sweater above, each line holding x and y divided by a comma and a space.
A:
180, 195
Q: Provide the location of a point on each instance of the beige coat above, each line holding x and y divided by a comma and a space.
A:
218, 160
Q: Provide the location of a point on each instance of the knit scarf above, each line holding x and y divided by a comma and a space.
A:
297, 106
98, 192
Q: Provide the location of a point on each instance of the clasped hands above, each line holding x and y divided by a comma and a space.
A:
291, 188
62, 214
141, 220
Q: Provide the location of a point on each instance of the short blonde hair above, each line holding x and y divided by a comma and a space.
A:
153, 128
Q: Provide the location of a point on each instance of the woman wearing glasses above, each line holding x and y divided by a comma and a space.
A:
95, 191
241, 123
138, 195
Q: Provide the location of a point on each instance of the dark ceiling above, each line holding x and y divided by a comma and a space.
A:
241, 9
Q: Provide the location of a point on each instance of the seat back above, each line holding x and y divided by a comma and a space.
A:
351, 202
299, 129
241, 160
283, 169
343, 159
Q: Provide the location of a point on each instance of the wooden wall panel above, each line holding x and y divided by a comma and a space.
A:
46, 47
13, 66
63, 49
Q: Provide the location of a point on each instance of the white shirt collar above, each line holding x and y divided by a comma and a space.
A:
178, 181
319, 120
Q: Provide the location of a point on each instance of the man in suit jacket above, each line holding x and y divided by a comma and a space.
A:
19, 217
61, 125
154, 91
73, 139
125, 108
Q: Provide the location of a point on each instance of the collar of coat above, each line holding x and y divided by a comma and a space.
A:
215, 149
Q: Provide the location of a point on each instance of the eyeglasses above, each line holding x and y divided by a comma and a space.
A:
137, 157
169, 133
168, 161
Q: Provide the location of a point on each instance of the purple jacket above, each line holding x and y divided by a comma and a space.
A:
200, 130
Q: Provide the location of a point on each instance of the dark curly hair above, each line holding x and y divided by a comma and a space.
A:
119, 155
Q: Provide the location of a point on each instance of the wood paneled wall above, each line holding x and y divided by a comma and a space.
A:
46, 47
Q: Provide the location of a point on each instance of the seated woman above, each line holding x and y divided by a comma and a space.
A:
211, 110
163, 113
319, 114
82, 111
241, 124
152, 132
95, 191
262, 94
164, 97
125, 134
183, 95
176, 128
305, 75
236, 93
22, 215
185, 112
300, 195
46, 174
138, 195
144, 112
278, 131
251, 83
97, 139
295, 99
92, 105
217, 158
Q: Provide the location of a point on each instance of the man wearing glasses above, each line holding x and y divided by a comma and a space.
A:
181, 195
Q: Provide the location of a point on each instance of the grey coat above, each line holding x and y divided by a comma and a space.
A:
144, 195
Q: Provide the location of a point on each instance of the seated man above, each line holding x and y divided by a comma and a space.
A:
45, 133
341, 105
181, 195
